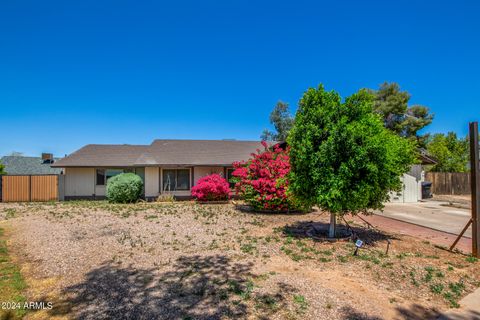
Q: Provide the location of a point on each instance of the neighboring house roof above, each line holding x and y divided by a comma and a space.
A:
425, 157
162, 152
27, 165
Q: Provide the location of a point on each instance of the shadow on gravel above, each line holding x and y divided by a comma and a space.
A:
417, 311
349, 313
198, 287
318, 231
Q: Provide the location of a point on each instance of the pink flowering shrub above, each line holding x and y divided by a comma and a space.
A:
262, 180
211, 188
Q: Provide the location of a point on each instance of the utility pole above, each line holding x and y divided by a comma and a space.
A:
475, 187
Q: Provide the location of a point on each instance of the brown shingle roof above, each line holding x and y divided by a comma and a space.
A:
99, 155
162, 152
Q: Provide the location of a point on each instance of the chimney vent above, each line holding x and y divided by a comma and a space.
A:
47, 158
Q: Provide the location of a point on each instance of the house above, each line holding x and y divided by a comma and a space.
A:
166, 166
21, 165
413, 180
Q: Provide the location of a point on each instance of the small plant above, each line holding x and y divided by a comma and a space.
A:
453, 302
301, 302
413, 279
436, 288
471, 259
10, 213
401, 255
429, 276
211, 188
248, 248
454, 293
124, 188
456, 288
266, 302
166, 197
242, 290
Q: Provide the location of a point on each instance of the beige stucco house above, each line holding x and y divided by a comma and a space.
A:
166, 166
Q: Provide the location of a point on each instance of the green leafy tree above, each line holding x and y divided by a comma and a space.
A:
282, 120
450, 152
2, 169
342, 157
392, 104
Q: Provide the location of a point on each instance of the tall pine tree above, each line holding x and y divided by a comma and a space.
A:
392, 104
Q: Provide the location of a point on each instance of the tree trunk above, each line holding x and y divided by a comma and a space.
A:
332, 231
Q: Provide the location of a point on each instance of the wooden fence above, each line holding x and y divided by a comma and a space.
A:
451, 183
29, 188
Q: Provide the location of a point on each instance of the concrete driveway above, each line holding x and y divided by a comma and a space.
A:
433, 214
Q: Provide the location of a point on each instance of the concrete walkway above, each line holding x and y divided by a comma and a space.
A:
432, 214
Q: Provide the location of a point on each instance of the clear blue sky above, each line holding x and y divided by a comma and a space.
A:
79, 72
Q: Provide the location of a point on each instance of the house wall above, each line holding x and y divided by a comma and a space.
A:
100, 191
152, 181
199, 172
410, 190
79, 182
411, 186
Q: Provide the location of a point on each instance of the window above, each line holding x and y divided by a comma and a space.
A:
230, 176
176, 179
104, 174
111, 173
100, 177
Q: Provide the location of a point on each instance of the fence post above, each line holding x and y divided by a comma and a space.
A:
30, 188
475, 185
61, 187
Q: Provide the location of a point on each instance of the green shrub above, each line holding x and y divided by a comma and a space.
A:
124, 188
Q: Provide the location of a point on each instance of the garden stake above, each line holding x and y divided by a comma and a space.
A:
358, 244
369, 225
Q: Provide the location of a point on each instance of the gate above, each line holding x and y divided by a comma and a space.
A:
29, 188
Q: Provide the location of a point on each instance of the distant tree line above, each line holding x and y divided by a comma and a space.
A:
392, 104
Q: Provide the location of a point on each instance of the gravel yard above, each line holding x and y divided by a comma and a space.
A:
182, 260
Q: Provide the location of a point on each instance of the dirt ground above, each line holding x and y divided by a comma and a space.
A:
462, 201
94, 260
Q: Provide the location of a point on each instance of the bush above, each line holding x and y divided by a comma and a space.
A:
124, 188
262, 180
211, 188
